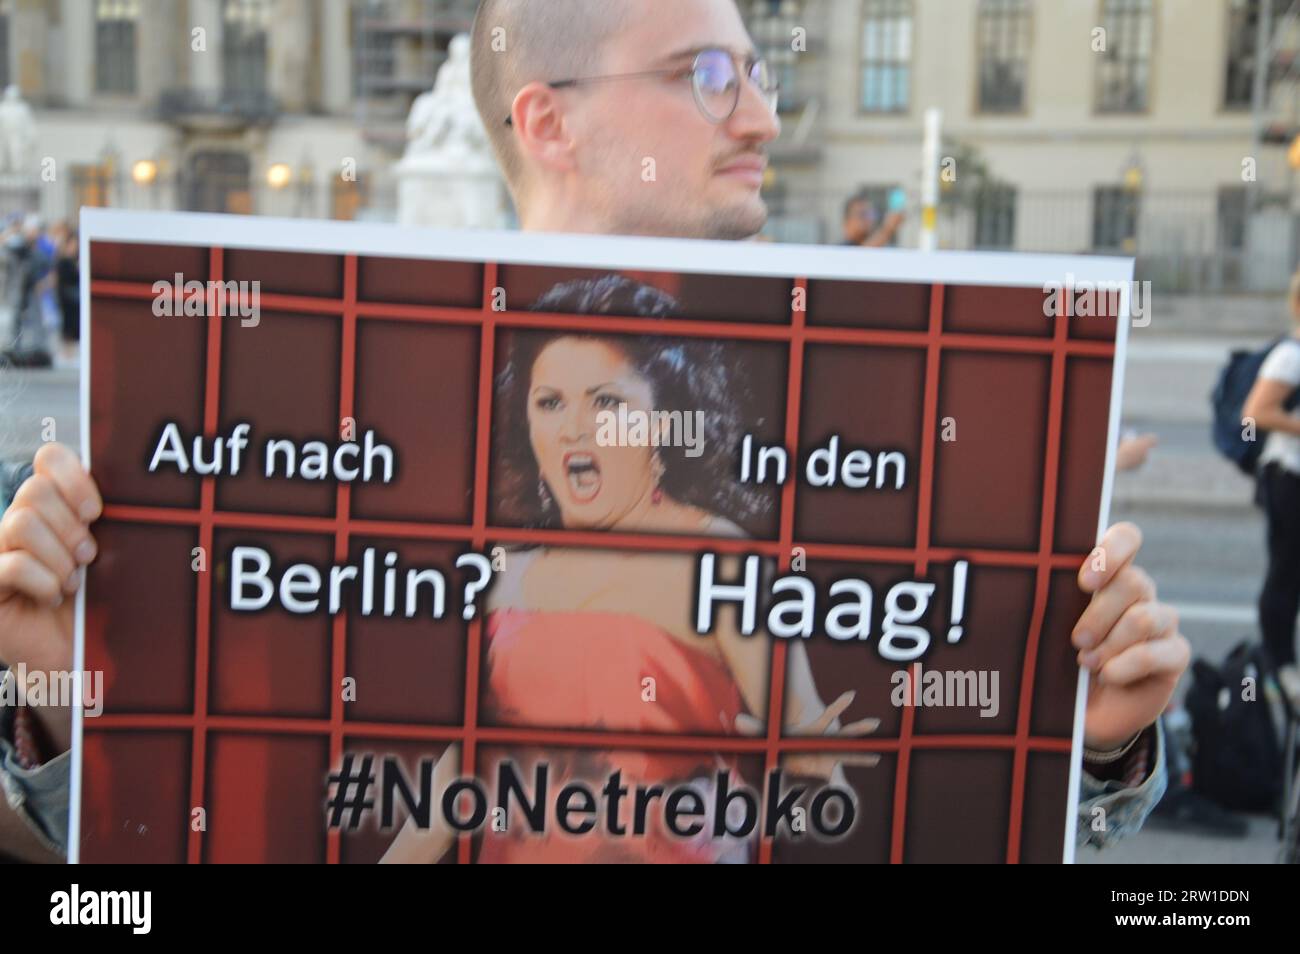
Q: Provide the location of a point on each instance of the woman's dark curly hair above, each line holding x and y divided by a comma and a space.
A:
685, 375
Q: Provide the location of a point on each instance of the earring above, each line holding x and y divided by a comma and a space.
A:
657, 470
544, 494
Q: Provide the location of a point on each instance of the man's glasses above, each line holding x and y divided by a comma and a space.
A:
715, 81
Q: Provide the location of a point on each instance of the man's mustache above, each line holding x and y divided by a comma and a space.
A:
759, 153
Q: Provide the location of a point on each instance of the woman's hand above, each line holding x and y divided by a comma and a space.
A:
415, 845
821, 721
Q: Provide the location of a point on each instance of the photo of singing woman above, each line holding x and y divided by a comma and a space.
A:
592, 639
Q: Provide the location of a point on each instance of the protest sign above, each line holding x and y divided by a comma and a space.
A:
585, 534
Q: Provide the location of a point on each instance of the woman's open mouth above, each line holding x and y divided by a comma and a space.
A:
583, 474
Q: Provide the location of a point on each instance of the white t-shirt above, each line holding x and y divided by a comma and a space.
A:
1283, 364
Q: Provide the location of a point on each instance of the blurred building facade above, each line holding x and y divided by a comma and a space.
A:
1097, 126
1111, 126
280, 107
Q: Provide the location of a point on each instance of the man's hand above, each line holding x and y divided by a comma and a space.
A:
44, 542
1128, 640
1133, 451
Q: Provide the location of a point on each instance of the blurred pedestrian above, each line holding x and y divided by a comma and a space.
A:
68, 293
50, 245
8, 320
862, 225
26, 266
1271, 407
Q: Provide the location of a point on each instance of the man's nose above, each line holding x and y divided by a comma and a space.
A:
754, 119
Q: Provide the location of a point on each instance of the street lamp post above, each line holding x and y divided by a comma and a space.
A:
1134, 177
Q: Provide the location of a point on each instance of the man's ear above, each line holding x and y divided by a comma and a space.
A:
541, 132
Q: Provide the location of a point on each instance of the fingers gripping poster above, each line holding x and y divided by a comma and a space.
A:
493, 547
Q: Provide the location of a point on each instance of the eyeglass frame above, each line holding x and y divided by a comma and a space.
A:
750, 62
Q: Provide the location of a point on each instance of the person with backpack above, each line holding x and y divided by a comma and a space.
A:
1271, 406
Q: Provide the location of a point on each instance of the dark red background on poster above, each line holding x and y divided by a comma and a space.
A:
238, 713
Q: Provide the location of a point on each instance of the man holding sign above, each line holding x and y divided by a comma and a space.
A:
609, 118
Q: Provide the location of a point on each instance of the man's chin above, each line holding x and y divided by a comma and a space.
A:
730, 220
741, 220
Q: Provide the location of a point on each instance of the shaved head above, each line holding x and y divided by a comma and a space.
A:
640, 156
517, 42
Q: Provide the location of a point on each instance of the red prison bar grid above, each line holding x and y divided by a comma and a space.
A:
796, 335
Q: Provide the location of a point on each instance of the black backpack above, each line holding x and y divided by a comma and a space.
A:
1238, 761
1227, 400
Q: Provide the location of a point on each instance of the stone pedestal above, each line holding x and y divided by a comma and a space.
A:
437, 191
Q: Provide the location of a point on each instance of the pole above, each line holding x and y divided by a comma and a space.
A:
930, 178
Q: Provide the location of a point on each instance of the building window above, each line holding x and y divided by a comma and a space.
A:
1003, 37
374, 49
90, 185
6, 8
1231, 218
348, 197
115, 45
1124, 71
245, 24
1114, 219
886, 56
1243, 28
995, 217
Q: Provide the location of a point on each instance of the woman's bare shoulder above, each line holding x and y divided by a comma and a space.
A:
508, 586
717, 526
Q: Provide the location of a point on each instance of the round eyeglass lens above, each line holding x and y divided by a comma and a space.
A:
717, 88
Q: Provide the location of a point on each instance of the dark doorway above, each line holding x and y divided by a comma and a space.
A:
218, 182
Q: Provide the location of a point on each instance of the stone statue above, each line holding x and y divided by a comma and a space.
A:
447, 176
17, 134
444, 120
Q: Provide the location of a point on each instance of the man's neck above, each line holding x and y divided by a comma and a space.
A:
553, 214
543, 214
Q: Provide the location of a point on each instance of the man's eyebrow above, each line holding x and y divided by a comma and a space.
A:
694, 51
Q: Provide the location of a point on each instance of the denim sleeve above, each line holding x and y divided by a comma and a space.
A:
1111, 810
11, 478
39, 796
